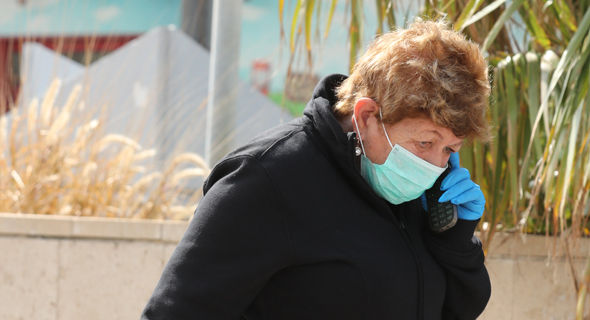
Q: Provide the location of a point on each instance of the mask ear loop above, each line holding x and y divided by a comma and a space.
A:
387, 136
359, 133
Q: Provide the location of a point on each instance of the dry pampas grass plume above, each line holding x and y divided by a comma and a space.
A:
59, 160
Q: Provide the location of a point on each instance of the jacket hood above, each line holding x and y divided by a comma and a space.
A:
332, 141
338, 145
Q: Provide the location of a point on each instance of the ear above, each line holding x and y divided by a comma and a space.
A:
365, 110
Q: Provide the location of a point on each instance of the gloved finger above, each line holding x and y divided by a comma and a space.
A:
472, 195
457, 189
454, 160
455, 177
423, 200
474, 206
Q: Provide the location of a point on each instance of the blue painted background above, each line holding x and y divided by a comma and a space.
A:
260, 38
74, 17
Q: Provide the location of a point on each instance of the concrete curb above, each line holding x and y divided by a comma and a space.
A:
91, 227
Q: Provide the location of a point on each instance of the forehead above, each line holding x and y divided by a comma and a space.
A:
424, 128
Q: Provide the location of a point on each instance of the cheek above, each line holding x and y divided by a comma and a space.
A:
432, 155
445, 159
438, 159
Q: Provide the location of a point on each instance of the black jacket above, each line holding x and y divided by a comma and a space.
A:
289, 229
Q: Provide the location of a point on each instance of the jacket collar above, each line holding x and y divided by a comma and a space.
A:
332, 141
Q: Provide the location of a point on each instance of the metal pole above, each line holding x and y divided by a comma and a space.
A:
223, 79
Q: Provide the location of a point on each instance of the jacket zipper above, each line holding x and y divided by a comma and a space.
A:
405, 235
417, 261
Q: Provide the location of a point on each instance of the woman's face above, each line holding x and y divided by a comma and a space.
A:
420, 136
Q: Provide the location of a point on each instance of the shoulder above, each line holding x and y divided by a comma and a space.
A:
280, 146
286, 140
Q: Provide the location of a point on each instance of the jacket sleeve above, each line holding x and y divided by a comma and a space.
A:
236, 240
460, 253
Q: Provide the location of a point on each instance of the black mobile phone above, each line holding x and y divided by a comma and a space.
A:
441, 215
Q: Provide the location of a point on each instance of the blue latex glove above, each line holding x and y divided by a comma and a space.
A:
462, 191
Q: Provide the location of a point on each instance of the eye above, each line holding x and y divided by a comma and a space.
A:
423, 144
449, 150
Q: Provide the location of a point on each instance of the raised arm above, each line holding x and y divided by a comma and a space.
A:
459, 251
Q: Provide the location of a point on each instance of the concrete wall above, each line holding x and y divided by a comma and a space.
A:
81, 268
531, 278
96, 268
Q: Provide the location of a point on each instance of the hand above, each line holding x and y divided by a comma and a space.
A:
462, 191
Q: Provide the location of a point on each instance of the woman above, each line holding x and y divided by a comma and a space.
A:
320, 218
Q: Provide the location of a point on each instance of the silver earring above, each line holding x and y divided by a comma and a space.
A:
357, 151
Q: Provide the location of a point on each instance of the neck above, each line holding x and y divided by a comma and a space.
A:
346, 124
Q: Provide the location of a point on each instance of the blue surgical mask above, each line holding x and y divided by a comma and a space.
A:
403, 177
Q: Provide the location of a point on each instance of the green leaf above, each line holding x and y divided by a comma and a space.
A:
354, 43
317, 19
535, 28
571, 152
569, 52
281, 8
356, 30
498, 147
390, 14
380, 16
553, 190
308, 18
484, 12
467, 13
533, 76
330, 15
445, 8
296, 14
478, 157
563, 63
493, 33
549, 61
466, 156
566, 16
565, 25
582, 68
512, 138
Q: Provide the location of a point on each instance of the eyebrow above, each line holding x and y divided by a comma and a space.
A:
435, 132
440, 136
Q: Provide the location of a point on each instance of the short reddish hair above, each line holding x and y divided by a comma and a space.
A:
425, 71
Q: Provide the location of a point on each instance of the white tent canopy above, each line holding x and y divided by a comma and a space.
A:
40, 66
155, 90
